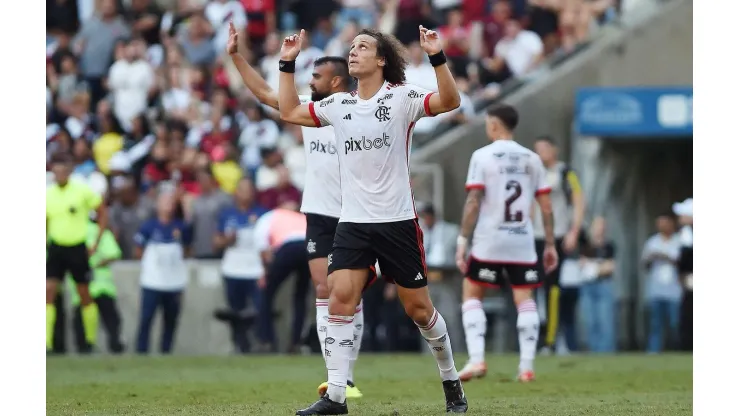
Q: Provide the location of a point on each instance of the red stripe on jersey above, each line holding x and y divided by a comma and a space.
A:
475, 186
428, 109
313, 115
543, 191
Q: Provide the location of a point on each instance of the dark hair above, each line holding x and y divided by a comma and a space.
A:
547, 139
393, 51
506, 114
341, 68
62, 158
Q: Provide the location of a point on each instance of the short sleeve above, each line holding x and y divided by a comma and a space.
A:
92, 198
475, 174
143, 235
542, 187
417, 102
262, 232
323, 112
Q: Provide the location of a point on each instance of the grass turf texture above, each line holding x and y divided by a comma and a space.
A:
392, 385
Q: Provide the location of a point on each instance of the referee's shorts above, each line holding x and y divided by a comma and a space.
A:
68, 259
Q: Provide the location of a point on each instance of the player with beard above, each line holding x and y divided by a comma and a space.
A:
321, 194
378, 220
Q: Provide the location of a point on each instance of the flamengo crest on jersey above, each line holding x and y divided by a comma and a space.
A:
510, 176
322, 191
373, 140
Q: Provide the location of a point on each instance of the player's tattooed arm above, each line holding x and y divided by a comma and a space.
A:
548, 219
470, 212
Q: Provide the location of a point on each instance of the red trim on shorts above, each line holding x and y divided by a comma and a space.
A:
475, 186
543, 191
420, 243
313, 114
427, 109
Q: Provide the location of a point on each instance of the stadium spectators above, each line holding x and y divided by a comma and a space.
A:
597, 292
663, 288
156, 67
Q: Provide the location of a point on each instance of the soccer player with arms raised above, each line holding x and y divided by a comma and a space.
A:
503, 179
373, 129
322, 200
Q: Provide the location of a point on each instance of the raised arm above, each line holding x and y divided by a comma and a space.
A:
291, 109
448, 97
251, 78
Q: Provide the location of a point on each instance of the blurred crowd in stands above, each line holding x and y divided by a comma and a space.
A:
142, 93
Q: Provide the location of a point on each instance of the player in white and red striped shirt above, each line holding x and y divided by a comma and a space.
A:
504, 179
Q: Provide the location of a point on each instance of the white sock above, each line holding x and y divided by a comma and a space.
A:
338, 349
322, 315
528, 325
439, 344
359, 330
474, 322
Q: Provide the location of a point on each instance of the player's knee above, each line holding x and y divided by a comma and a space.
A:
322, 291
419, 310
472, 291
341, 295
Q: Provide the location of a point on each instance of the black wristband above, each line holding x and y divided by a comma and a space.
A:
438, 59
287, 66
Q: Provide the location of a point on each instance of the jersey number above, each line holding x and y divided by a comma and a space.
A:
515, 216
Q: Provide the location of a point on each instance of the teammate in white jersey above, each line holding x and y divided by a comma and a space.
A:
373, 129
322, 199
504, 179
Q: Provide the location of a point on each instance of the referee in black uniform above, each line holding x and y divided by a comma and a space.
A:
68, 206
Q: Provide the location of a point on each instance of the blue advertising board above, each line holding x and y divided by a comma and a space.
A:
635, 111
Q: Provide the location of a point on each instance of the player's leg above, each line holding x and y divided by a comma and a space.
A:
348, 264
474, 318
319, 239
524, 279
79, 268
400, 250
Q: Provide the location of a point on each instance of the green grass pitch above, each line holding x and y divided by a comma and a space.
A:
392, 384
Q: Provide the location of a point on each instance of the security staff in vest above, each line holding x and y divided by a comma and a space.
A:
280, 237
568, 206
68, 206
102, 290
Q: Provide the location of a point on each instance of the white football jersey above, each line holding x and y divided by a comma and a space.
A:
373, 141
322, 190
510, 176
